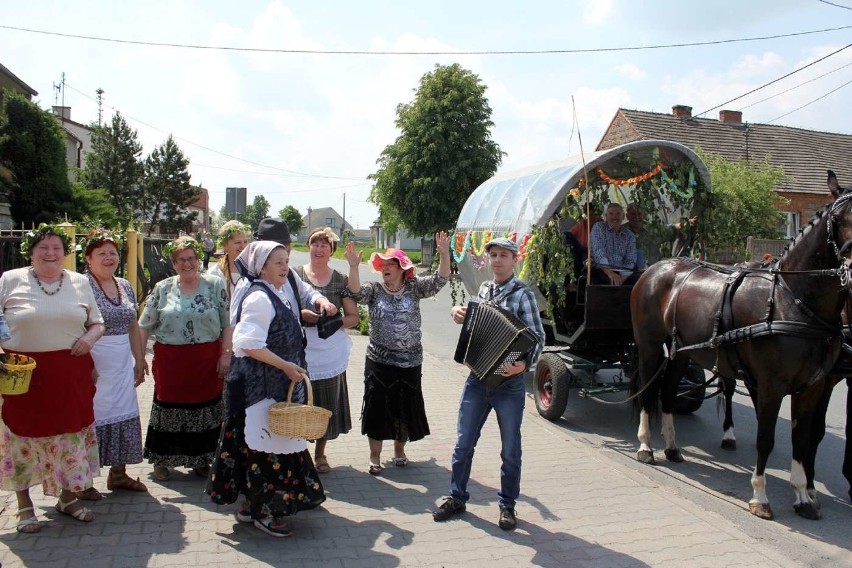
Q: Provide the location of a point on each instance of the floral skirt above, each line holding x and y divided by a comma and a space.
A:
62, 461
274, 485
120, 443
183, 434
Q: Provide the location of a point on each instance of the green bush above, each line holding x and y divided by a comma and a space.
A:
363, 320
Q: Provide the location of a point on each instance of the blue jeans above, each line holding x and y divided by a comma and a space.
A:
477, 400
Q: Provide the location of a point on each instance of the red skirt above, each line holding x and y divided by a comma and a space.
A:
60, 399
186, 373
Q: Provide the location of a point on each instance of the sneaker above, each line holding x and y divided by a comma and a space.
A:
447, 510
507, 521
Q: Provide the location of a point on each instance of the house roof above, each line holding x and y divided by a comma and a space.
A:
14, 78
804, 155
324, 213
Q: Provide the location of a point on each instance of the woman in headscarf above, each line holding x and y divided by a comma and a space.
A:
328, 358
393, 399
275, 474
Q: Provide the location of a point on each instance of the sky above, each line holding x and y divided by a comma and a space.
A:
306, 129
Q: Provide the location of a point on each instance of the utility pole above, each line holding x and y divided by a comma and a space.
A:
100, 92
343, 228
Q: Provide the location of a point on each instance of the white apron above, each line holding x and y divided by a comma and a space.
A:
115, 393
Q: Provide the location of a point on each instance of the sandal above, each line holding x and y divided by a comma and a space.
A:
161, 473
29, 525
90, 494
321, 464
82, 514
375, 468
274, 526
401, 461
124, 481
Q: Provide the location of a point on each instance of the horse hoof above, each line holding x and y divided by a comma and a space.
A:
729, 444
761, 510
807, 511
646, 457
674, 455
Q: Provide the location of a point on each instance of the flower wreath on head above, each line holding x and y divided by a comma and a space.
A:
97, 237
232, 228
33, 236
184, 243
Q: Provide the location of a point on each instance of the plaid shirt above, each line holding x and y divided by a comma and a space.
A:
610, 249
521, 302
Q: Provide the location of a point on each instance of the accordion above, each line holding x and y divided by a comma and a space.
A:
490, 338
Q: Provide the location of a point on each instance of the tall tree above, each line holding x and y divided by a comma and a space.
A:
115, 165
32, 149
94, 207
257, 210
292, 217
167, 192
744, 202
444, 151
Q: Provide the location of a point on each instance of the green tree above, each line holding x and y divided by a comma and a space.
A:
115, 165
32, 149
94, 206
743, 202
166, 189
255, 211
292, 217
444, 151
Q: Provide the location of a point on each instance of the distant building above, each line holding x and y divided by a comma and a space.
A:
804, 155
401, 239
322, 217
78, 141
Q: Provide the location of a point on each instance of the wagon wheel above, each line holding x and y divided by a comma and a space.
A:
551, 386
693, 382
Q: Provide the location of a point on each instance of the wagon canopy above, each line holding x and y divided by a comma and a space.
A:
516, 201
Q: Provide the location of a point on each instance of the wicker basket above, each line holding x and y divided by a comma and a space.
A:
19, 371
299, 420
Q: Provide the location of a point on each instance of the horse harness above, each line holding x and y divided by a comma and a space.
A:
726, 335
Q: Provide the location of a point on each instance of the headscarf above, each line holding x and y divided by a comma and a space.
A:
251, 260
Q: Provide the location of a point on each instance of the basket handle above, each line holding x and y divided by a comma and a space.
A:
307, 386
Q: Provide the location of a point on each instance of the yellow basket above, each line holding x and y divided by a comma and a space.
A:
298, 420
19, 371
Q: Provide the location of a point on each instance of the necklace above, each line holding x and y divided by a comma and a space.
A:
61, 278
117, 289
394, 290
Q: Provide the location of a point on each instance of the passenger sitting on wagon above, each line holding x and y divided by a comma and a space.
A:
649, 247
577, 238
613, 250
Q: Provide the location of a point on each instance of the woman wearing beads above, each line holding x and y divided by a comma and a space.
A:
47, 435
120, 360
189, 315
328, 358
233, 238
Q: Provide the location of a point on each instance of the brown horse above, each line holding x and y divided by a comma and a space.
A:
777, 330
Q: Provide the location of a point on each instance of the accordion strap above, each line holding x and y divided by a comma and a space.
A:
504, 294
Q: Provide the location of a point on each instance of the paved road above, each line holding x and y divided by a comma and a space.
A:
585, 502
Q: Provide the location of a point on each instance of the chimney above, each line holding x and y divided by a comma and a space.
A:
682, 111
731, 116
62, 112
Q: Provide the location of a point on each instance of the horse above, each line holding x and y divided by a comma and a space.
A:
777, 330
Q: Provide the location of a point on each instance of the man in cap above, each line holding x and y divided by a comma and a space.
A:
507, 400
296, 292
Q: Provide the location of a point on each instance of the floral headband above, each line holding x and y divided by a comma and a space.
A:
232, 228
98, 237
33, 237
174, 247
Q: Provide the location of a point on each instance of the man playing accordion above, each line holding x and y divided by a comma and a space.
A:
507, 400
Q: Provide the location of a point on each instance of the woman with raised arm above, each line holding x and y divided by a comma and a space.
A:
393, 407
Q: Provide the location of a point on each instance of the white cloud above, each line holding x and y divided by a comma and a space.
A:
630, 71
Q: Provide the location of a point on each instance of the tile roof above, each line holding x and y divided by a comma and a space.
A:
805, 155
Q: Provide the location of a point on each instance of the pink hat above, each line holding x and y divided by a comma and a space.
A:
391, 254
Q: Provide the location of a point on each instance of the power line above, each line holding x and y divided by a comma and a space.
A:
802, 84
287, 173
775, 80
394, 53
811, 102
835, 5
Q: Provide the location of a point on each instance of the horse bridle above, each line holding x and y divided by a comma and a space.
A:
844, 270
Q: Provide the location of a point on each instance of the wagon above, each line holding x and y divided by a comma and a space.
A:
588, 327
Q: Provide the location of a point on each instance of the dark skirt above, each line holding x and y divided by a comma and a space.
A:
183, 434
120, 443
333, 394
393, 406
274, 485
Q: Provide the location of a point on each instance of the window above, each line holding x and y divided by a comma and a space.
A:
789, 226
330, 222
